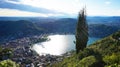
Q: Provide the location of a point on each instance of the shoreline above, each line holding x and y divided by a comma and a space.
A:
22, 52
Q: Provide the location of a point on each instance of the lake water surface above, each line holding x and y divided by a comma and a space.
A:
58, 44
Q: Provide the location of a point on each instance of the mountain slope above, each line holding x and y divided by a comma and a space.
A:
102, 30
103, 53
108, 45
15, 29
68, 25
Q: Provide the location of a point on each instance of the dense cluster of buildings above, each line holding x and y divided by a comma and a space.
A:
24, 55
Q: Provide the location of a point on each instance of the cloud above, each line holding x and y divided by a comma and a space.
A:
14, 12
13, 1
104, 13
61, 6
107, 2
118, 11
77, 0
18, 6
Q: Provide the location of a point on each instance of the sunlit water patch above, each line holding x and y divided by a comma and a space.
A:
58, 44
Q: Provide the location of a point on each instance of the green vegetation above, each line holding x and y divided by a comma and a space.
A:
88, 61
5, 53
103, 29
81, 31
8, 63
18, 29
103, 53
113, 59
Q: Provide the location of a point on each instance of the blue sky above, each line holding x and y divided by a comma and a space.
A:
57, 8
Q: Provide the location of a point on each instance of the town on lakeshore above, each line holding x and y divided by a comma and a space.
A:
25, 56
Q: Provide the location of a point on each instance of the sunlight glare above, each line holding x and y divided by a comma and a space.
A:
56, 46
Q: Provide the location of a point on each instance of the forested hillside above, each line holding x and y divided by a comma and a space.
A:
17, 29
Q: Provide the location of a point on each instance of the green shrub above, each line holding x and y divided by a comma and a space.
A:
8, 63
87, 61
5, 52
88, 52
112, 59
112, 65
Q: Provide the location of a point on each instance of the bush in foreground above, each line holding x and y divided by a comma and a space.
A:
8, 63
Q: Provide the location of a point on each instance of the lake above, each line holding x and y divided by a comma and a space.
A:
58, 44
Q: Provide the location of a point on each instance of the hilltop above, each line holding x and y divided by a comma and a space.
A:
102, 53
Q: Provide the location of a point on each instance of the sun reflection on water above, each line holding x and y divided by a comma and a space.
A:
58, 45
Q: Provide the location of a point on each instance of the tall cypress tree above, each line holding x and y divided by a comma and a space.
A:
81, 31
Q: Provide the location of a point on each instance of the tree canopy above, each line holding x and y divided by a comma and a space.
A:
81, 31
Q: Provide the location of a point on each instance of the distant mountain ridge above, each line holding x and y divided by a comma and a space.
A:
14, 27
90, 19
68, 25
